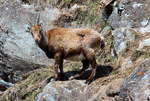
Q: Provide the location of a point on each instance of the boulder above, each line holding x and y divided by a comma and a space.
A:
113, 88
63, 91
75, 90
18, 51
122, 36
131, 14
136, 86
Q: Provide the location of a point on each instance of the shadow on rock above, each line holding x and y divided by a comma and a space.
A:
100, 72
103, 70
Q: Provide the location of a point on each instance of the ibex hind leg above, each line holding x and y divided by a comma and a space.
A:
90, 55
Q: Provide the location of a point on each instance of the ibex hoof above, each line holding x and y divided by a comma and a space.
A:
88, 81
53, 79
71, 78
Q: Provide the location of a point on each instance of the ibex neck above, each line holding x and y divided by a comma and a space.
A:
44, 41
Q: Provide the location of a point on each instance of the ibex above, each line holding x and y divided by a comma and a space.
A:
68, 43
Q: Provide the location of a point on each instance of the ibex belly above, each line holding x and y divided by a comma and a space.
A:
77, 57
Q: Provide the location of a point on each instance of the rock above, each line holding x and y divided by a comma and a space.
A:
27, 89
113, 88
136, 87
63, 91
128, 18
126, 63
1, 93
145, 29
106, 31
18, 51
75, 90
144, 43
121, 36
5, 84
130, 14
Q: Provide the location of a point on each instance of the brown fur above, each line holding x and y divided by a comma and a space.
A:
66, 43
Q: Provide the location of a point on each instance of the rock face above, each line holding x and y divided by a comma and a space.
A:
64, 91
130, 13
121, 37
113, 88
130, 16
18, 51
137, 87
75, 90
131, 32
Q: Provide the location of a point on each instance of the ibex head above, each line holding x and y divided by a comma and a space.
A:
36, 30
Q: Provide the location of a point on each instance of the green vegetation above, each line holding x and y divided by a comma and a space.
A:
90, 16
104, 56
139, 54
72, 66
114, 72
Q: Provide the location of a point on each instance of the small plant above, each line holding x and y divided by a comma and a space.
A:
114, 72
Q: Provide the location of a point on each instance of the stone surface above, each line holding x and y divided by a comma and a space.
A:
113, 88
126, 63
136, 87
6, 84
18, 51
106, 31
63, 91
121, 36
144, 43
75, 90
130, 15
134, 13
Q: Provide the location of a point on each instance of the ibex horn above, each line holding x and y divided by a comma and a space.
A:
38, 19
29, 21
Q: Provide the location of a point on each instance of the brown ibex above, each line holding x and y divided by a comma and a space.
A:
68, 43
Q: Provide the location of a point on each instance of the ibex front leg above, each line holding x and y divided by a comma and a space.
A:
58, 64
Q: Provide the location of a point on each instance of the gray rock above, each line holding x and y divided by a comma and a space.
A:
113, 88
63, 91
133, 13
145, 29
18, 51
77, 90
5, 84
144, 43
136, 87
106, 31
121, 36
126, 63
